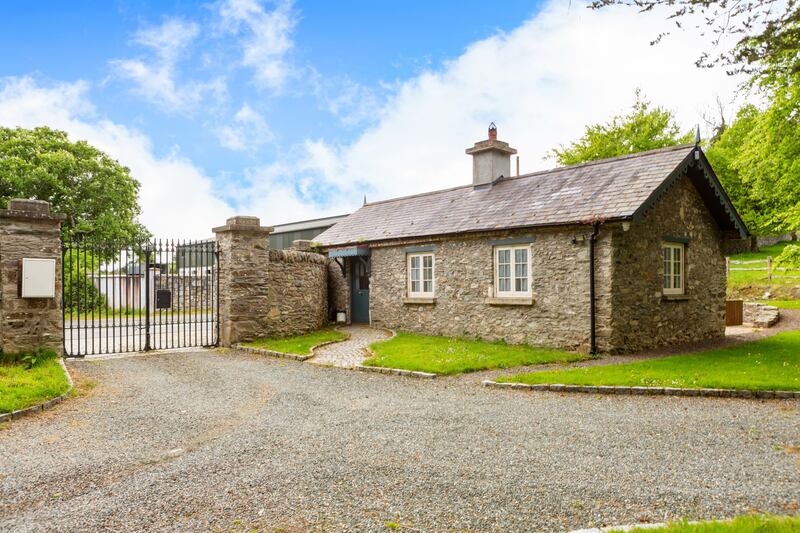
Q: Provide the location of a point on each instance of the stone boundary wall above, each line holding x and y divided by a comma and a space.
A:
298, 292
263, 292
189, 293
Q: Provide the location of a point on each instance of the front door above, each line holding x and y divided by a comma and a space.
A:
359, 299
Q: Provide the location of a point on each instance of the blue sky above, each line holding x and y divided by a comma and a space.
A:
294, 109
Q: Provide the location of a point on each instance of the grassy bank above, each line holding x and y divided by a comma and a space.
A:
767, 364
22, 387
742, 524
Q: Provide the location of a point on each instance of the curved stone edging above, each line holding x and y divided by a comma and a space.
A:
289, 355
396, 371
648, 391
44, 405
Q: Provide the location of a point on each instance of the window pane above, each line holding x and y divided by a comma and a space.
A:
414, 286
521, 270
427, 286
504, 270
667, 267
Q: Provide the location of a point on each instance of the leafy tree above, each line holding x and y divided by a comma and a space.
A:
757, 159
768, 32
643, 128
98, 195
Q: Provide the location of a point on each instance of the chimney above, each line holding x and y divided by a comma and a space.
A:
491, 159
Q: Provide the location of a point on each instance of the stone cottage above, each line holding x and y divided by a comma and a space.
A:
616, 255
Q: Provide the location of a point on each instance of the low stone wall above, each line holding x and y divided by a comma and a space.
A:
263, 292
298, 292
760, 315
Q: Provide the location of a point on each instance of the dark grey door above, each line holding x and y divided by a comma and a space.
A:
360, 290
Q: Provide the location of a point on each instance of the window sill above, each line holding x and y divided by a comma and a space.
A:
675, 297
419, 301
509, 301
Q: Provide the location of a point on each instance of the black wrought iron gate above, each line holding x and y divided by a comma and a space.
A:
134, 296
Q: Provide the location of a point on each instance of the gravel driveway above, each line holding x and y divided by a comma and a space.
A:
209, 441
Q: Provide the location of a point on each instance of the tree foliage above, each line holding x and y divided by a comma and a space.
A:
757, 159
98, 195
789, 257
643, 128
767, 32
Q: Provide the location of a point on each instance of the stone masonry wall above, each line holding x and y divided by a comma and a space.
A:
464, 274
28, 230
298, 292
263, 292
642, 317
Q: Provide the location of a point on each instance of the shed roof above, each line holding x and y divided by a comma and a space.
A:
610, 189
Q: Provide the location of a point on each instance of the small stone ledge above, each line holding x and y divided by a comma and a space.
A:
396, 371
647, 391
419, 301
508, 301
675, 297
272, 353
4, 417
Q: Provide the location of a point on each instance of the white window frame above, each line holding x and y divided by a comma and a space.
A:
513, 293
421, 293
668, 272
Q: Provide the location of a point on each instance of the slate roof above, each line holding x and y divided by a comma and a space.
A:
610, 189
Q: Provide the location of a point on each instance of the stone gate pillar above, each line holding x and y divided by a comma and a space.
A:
29, 231
243, 282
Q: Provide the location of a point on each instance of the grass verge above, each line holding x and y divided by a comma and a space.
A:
741, 524
298, 344
22, 387
448, 355
772, 363
782, 304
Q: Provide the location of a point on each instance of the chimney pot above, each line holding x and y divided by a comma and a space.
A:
492, 132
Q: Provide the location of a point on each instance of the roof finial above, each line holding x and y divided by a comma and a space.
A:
697, 136
365, 199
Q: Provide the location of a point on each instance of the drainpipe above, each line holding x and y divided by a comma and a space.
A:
592, 307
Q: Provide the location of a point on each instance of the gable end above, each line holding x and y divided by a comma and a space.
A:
699, 170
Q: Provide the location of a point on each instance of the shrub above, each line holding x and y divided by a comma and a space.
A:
789, 257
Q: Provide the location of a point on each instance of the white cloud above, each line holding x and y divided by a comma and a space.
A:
177, 199
352, 102
266, 37
155, 78
247, 132
541, 83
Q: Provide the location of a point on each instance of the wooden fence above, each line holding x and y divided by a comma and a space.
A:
763, 265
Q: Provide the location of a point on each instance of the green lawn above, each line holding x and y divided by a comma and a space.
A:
299, 344
742, 524
767, 364
20, 388
447, 355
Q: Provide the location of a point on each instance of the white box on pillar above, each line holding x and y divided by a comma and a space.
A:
38, 278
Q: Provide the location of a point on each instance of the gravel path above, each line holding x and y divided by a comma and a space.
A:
349, 353
210, 441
